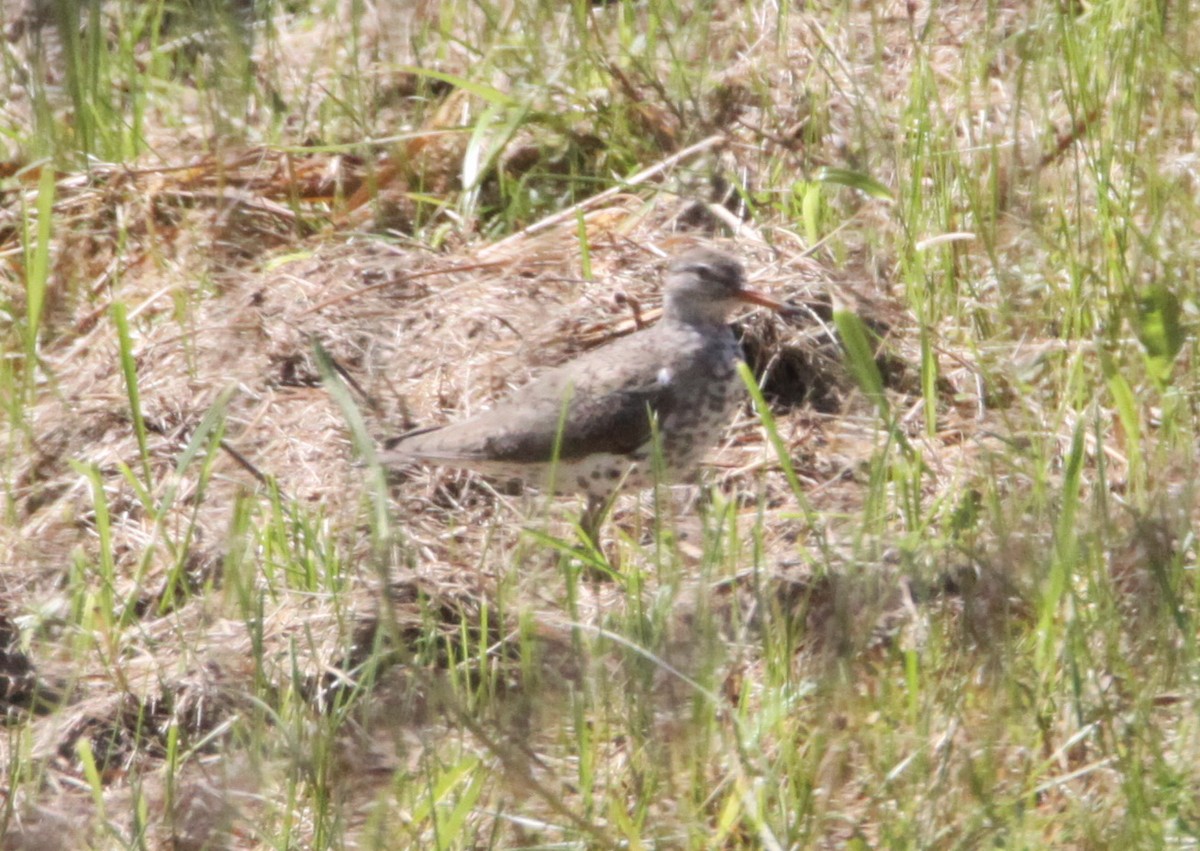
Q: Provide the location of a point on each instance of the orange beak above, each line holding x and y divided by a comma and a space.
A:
764, 300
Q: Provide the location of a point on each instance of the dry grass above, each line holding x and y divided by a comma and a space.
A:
970, 624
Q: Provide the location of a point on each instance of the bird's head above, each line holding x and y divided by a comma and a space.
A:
704, 286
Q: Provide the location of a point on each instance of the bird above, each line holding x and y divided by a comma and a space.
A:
643, 407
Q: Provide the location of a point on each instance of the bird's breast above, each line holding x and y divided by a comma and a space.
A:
707, 393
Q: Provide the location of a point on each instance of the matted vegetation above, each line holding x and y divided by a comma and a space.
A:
937, 588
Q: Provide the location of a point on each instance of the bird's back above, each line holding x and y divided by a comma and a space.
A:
601, 404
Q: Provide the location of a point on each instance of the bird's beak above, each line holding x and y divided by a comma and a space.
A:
764, 300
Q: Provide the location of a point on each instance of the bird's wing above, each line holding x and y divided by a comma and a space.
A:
600, 402
615, 420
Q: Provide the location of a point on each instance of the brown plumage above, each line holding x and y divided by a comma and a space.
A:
600, 411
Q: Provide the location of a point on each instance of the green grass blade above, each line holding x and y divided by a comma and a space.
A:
782, 452
129, 371
1063, 564
363, 443
37, 260
929, 382
855, 180
106, 597
1129, 415
211, 425
860, 356
810, 212
1160, 329
488, 93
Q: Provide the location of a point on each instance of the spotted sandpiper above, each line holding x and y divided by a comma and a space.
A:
590, 425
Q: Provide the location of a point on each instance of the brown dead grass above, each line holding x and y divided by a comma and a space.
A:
431, 337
